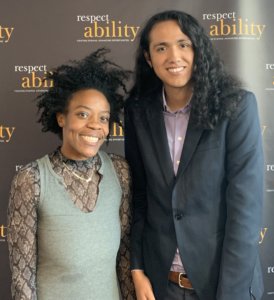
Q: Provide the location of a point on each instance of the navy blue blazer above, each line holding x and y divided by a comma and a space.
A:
211, 210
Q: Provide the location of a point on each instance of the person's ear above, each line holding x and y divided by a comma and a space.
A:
147, 57
60, 119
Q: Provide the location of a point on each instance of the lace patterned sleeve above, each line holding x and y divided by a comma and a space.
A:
22, 225
123, 257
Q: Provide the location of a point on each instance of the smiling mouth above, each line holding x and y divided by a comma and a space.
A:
90, 139
176, 70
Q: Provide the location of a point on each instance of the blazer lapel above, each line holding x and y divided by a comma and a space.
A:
154, 114
192, 138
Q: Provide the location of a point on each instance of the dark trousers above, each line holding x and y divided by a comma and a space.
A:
174, 292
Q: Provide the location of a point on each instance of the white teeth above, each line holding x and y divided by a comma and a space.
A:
91, 139
176, 70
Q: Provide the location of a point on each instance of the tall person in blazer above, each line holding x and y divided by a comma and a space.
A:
193, 141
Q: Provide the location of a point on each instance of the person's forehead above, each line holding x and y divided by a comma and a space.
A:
166, 30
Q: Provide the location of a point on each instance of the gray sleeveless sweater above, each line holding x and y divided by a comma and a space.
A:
76, 250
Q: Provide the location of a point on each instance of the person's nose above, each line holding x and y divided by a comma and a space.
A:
174, 55
94, 123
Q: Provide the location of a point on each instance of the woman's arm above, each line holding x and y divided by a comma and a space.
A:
123, 257
22, 226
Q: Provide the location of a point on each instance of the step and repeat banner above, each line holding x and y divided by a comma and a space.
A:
36, 36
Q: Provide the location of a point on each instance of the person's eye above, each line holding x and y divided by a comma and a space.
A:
185, 45
160, 49
83, 115
104, 119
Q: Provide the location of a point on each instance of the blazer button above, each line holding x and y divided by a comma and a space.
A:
178, 216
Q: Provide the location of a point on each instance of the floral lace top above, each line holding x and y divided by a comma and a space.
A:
22, 216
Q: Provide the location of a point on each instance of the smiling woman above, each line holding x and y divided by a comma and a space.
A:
69, 211
85, 124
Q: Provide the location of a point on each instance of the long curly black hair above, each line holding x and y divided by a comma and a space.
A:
93, 72
216, 94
